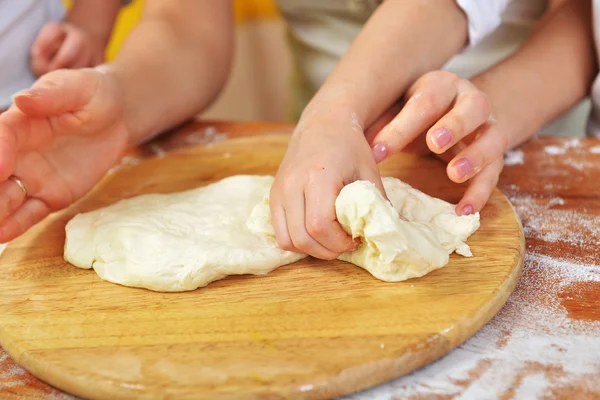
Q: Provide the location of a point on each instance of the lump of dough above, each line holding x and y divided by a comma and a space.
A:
182, 241
415, 205
394, 249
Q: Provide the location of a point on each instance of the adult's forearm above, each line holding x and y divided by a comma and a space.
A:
174, 63
551, 73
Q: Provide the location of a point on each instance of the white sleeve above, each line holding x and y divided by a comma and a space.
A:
484, 16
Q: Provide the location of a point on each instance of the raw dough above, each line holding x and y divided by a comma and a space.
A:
182, 241
395, 249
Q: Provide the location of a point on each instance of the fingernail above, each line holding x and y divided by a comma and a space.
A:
357, 243
379, 152
467, 210
463, 167
441, 137
33, 92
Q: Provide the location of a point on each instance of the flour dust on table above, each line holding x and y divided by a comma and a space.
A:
182, 241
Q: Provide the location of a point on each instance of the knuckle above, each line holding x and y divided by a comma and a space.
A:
301, 242
480, 102
285, 243
77, 38
427, 105
316, 227
486, 105
314, 174
288, 185
457, 127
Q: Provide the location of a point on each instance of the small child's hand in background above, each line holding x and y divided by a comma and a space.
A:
451, 117
65, 45
327, 151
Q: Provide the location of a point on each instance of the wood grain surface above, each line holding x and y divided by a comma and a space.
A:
312, 329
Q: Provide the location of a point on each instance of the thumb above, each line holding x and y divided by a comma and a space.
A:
373, 175
57, 93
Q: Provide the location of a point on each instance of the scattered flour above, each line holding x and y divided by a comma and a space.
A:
157, 150
554, 150
581, 163
532, 349
578, 165
127, 160
15, 383
544, 219
208, 135
575, 142
513, 157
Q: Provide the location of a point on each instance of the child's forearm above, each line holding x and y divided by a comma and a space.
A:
174, 63
401, 41
95, 16
547, 76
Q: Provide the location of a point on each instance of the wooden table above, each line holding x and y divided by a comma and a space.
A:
544, 342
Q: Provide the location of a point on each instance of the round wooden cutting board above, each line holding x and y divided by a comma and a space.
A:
313, 329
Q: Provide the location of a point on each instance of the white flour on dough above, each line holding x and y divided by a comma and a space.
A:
182, 241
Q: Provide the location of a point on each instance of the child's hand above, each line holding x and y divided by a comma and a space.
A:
325, 153
58, 139
454, 117
64, 45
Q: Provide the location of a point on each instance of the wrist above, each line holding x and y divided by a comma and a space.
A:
100, 38
115, 82
335, 103
506, 111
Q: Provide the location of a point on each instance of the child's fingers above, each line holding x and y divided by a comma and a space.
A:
480, 188
295, 218
420, 112
279, 224
321, 220
382, 121
69, 51
373, 175
479, 154
45, 47
471, 110
84, 59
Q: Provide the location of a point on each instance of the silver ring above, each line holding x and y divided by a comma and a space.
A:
20, 183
